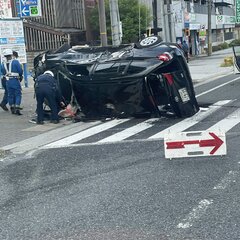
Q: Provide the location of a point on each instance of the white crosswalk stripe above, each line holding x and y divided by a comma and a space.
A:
227, 123
87, 133
189, 122
130, 133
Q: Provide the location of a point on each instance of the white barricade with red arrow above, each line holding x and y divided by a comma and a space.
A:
194, 144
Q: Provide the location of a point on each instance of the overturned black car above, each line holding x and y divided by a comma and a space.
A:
146, 78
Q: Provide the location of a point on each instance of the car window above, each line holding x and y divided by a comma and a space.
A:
136, 67
111, 67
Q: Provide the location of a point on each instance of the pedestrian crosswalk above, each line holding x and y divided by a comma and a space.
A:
130, 129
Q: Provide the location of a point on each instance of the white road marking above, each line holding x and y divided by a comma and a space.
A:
189, 122
86, 133
102, 143
227, 180
227, 123
221, 85
47, 137
129, 131
195, 214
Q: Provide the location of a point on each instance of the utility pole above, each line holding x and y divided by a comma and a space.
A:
115, 23
163, 21
168, 26
89, 37
209, 28
169, 17
155, 10
102, 22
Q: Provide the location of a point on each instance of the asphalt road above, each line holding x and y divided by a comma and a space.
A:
128, 189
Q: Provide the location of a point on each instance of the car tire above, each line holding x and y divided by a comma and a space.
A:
149, 41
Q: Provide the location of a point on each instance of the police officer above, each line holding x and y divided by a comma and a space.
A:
12, 71
5, 95
46, 87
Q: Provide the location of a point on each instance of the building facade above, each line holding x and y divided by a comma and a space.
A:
174, 20
62, 21
191, 22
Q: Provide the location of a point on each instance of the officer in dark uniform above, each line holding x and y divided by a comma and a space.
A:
12, 71
46, 87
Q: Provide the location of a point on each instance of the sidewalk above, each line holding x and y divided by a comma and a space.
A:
17, 128
205, 67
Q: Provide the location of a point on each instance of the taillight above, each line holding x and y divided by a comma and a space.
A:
165, 57
169, 78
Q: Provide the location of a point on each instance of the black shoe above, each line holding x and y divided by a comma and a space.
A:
17, 112
4, 107
54, 121
40, 122
12, 110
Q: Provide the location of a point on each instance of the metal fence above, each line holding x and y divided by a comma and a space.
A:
60, 19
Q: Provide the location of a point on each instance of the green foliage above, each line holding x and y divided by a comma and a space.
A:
224, 45
129, 16
216, 48
221, 46
234, 42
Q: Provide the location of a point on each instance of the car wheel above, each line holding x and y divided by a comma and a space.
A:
149, 41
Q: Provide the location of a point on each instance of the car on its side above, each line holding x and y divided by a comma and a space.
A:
150, 77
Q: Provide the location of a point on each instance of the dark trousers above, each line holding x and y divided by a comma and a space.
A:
46, 92
186, 56
5, 96
14, 92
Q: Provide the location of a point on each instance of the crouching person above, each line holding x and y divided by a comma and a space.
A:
46, 87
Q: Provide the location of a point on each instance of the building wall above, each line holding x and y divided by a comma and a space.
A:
195, 22
61, 21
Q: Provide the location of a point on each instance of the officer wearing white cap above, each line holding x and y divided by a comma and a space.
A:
46, 87
12, 72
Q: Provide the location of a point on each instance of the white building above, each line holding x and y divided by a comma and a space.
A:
191, 22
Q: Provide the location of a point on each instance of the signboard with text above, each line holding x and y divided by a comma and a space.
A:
12, 36
224, 19
238, 11
5, 9
30, 8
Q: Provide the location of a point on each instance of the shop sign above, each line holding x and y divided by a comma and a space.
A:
237, 11
194, 26
223, 19
230, 19
219, 19
192, 17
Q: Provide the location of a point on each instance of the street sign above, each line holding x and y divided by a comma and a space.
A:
12, 36
194, 144
30, 8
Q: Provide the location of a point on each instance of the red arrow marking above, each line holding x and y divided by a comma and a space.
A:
215, 142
